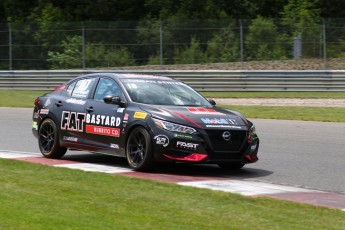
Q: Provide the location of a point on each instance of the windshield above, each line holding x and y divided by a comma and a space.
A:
163, 92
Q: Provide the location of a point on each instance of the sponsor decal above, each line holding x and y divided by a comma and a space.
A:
75, 101
47, 103
155, 82
73, 139
182, 136
140, 115
218, 121
201, 110
114, 146
161, 140
34, 125
44, 111
72, 121
186, 145
103, 120
120, 110
36, 114
105, 131
224, 126
125, 117
95, 123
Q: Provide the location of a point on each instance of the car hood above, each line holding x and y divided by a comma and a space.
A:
198, 117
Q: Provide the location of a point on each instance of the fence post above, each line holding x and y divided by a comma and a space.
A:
161, 44
9, 46
324, 44
83, 44
241, 44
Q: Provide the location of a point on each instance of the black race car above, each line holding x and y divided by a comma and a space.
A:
145, 118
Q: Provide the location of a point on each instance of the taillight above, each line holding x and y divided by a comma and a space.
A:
60, 87
36, 102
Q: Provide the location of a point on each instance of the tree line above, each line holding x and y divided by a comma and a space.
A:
99, 33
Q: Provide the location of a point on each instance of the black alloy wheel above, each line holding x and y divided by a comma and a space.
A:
48, 140
139, 150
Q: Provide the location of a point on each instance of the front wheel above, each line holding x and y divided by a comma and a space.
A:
139, 150
48, 140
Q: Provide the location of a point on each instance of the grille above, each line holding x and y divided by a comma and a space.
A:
220, 145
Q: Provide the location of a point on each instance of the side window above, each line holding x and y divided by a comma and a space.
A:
70, 88
83, 88
106, 87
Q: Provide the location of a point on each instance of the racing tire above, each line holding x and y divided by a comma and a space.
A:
139, 151
48, 140
231, 165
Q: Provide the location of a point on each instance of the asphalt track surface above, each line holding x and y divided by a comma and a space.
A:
306, 155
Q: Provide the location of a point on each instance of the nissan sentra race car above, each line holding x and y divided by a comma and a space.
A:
146, 119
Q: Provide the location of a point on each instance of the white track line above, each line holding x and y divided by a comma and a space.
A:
95, 168
247, 188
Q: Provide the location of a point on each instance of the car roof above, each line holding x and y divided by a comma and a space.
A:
129, 75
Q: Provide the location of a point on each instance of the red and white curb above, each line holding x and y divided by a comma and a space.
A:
243, 187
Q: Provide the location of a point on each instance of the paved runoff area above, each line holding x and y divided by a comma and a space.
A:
226, 184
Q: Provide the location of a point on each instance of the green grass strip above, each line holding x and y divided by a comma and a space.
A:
37, 197
19, 98
333, 95
331, 114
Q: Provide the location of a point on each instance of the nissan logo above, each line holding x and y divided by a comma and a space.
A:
226, 135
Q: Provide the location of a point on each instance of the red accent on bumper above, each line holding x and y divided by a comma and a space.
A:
192, 157
251, 158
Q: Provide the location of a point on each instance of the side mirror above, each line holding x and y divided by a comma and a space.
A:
212, 101
113, 99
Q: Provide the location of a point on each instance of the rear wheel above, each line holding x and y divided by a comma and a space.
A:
231, 165
48, 140
139, 150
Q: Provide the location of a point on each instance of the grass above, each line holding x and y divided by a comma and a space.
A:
334, 95
35, 196
18, 98
26, 99
291, 112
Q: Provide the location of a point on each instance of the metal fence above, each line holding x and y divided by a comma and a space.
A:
239, 44
321, 81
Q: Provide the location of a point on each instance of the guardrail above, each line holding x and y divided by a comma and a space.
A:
201, 80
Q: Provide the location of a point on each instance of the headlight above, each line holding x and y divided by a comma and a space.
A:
174, 127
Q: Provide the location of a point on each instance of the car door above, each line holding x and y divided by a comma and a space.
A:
71, 111
104, 121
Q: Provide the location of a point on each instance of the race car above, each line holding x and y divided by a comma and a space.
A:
144, 118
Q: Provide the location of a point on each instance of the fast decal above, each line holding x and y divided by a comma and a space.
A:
105, 131
73, 121
161, 140
182, 136
47, 103
75, 101
200, 110
186, 145
218, 121
140, 115
44, 111
73, 139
